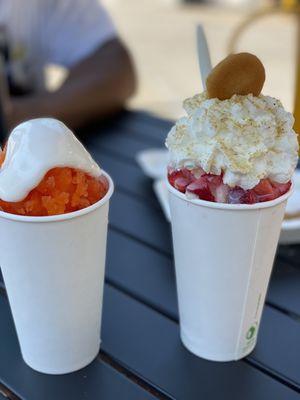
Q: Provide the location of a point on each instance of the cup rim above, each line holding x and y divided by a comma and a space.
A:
63, 217
226, 206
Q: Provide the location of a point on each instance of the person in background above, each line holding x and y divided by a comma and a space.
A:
76, 34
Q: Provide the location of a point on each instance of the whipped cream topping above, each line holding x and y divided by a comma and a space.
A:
33, 148
247, 138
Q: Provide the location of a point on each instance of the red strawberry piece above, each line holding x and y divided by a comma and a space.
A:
187, 174
216, 187
281, 188
201, 188
198, 172
238, 195
213, 179
184, 174
214, 182
263, 187
264, 191
235, 195
181, 184
249, 197
172, 176
276, 191
221, 193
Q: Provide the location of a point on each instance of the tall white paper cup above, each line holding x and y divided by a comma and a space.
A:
223, 259
53, 269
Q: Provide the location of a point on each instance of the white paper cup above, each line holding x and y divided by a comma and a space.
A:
53, 269
223, 259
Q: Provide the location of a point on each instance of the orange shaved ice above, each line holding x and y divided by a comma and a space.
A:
62, 190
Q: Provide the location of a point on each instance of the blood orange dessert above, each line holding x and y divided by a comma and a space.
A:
62, 190
53, 175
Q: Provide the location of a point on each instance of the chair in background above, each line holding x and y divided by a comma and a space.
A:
284, 6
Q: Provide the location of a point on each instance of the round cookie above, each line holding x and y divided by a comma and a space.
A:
241, 73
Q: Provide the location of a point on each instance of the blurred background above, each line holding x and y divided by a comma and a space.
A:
161, 36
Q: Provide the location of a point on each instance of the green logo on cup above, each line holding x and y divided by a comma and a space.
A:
251, 332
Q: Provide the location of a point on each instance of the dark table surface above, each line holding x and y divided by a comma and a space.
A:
141, 355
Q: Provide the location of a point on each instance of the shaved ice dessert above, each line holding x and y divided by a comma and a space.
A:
54, 206
45, 170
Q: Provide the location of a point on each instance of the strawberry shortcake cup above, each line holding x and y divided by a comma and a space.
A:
232, 158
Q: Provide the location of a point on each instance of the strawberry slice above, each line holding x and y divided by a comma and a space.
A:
186, 173
181, 184
249, 197
180, 178
198, 172
200, 187
281, 188
263, 187
173, 175
215, 180
211, 187
264, 191
235, 195
220, 193
238, 195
